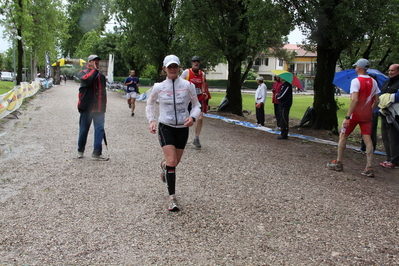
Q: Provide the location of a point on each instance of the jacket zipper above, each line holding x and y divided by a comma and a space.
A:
174, 101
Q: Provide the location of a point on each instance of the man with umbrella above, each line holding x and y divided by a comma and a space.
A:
285, 102
364, 99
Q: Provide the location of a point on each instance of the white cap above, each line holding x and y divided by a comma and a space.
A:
93, 57
259, 78
362, 63
171, 59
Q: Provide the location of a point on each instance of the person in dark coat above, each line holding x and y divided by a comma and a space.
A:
91, 106
285, 102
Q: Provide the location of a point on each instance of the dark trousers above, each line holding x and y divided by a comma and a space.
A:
374, 125
84, 127
390, 138
260, 114
284, 123
277, 113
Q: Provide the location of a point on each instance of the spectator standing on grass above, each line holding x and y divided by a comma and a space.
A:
260, 98
174, 95
276, 90
285, 102
132, 82
197, 77
364, 99
91, 105
389, 133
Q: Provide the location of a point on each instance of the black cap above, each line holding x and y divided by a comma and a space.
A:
195, 58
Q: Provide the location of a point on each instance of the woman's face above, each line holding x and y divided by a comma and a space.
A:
172, 71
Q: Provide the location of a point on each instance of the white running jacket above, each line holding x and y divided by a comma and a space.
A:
174, 97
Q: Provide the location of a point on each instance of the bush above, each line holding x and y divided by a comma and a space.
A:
253, 85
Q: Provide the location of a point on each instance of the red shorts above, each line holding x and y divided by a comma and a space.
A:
365, 127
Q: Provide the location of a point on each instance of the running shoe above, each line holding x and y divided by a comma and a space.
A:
197, 143
389, 165
132, 113
173, 206
336, 166
359, 150
100, 157
163, 173
80, 154
368, 172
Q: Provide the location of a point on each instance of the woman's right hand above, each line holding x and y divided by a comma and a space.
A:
153, 127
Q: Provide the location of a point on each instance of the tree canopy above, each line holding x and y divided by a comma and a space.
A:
236, 30
35, 26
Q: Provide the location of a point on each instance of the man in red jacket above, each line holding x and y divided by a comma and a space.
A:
91, 105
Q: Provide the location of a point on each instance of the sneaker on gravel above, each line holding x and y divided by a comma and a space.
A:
163, 173
359, 150
173, 206
80, 154
368, 172
197, 143
100, 157
336, 166
389, 165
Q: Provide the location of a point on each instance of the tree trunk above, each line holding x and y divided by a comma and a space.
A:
325, 105
21, 51
233, 92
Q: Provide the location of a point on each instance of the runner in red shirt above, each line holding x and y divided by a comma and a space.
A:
364, 99
197, 76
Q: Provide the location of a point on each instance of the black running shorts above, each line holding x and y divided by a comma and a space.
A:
173, 136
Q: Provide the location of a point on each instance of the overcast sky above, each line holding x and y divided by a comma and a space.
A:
295, 37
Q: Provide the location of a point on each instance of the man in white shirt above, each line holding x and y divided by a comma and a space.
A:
260, 98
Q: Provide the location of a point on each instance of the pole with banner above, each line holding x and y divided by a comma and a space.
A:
48, 66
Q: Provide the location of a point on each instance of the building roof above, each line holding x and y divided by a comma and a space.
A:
300, 51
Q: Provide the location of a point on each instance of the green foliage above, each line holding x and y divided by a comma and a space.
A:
333, 26
221, 83
253, 84
150, 72
70, 71
87, 45
148, 27
83, 16
251, 75
39, 23
234, 30
379, 45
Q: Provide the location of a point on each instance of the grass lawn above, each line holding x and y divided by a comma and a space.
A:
298, 109
6, 86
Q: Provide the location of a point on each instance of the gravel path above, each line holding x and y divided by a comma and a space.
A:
246, 197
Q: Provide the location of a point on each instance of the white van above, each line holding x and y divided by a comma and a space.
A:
7, 76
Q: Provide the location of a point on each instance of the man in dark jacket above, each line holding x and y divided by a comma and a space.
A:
284, 101
91, 105
389, 133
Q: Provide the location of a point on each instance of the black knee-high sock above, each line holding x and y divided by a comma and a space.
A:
171, 179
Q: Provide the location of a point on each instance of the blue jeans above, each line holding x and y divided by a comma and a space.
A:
84, 127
